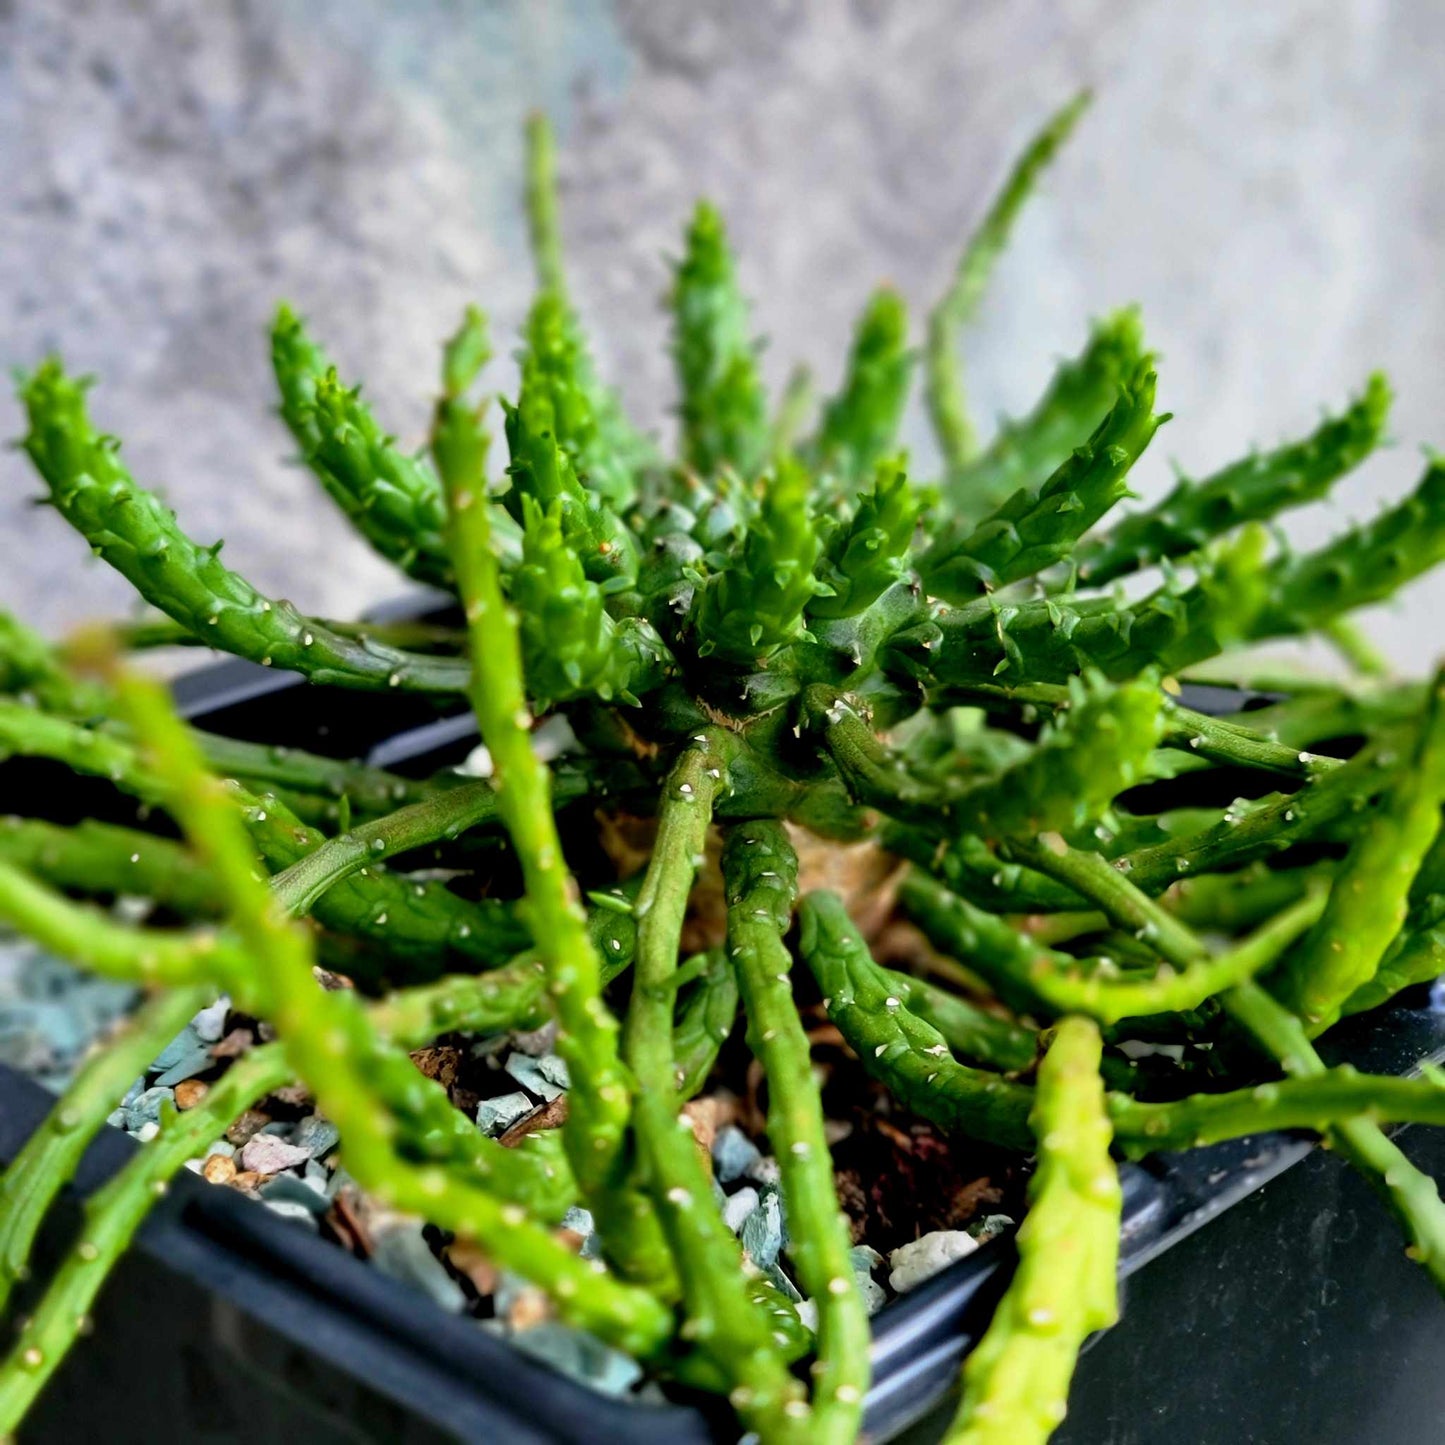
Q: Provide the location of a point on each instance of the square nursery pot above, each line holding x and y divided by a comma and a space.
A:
1266, 1294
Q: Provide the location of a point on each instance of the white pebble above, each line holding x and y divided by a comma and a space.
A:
910, 1264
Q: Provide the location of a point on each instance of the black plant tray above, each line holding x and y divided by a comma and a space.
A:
1295, 1315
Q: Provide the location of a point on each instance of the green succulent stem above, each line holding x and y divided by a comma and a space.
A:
1099, 747
860, 424
899, 1046
1416, 956
445, 816
298, 772
1073, 404
760, 869
1261, 828
48, 1159
865, 556
1035, 976
392, 499
648, 1039
132, 530
29, 667
102, 859
1359, 567
599, 1096
1410, 1194
1032, 530
705, 1022
370, 1092
65, 693
908, 1054
1247, 740
947, 407
87, 937
1015, 1382
971, 1032
1239, 597
110, 1219
724, 409
1316, 1101
543, 220
1369, 900
112, 1215
755, 605
1255, 489
684, 816
1347, 639
158, 630
722, 1318
425, 921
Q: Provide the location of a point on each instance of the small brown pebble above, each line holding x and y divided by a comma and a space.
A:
705, 1117
247, 1127
346, 1219
219, 1169
293, 1096
190, 1092
477, 1266
266, 1154
233, 1045
247, 1179
529, 1309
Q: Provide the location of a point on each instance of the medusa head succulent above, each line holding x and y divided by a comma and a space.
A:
777, 643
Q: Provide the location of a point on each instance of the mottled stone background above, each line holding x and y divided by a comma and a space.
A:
1266, 179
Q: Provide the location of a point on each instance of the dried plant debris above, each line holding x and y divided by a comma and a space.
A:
842, 875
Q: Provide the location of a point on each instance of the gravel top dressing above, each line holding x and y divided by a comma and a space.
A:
282, 1153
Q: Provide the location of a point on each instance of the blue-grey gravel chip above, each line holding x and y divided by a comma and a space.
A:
762, 1232
496, 1116
145, 1108
582, 1356
317, 1133
733, 1154
403, 1253
531, 1074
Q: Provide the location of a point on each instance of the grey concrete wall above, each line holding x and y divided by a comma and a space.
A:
1265, 178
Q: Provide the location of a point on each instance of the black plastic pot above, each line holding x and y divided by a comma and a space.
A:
1294, 1315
